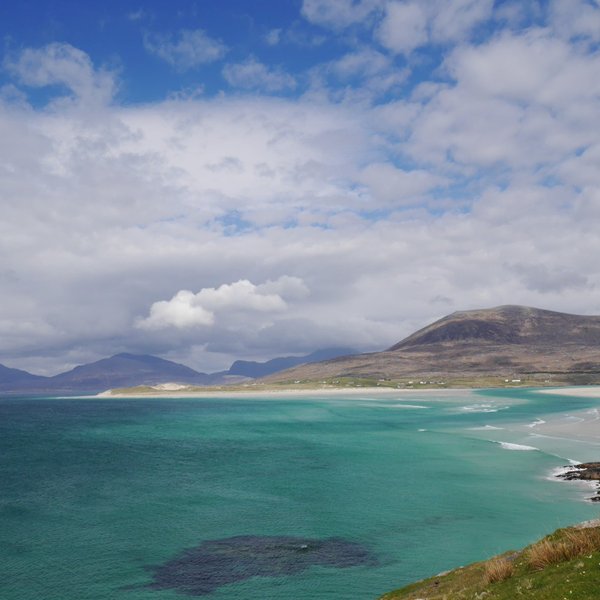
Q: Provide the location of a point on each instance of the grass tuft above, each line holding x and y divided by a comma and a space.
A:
573, 543
498, 569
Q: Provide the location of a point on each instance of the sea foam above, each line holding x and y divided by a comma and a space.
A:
509, 446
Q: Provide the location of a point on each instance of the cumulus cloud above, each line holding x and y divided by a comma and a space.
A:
407, 26
182, 310
188, 49
64, 65
252, 74
186, 309
579, 19
392, 186
518, 99
404, 27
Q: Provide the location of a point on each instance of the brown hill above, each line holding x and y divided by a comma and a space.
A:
511, 342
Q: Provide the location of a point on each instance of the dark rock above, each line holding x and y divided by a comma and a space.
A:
584, 472
215, 563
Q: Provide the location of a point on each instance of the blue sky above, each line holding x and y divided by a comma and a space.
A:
212, 181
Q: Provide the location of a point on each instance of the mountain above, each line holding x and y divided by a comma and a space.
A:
254, 369
127, 370
123, 370
519, 325
515, 342
120, 370
11, 378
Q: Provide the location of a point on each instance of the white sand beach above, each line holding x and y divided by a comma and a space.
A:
590, 391
579, 425
363, 392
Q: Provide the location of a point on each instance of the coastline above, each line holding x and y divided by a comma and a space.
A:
581, 425
286, 393
592, 391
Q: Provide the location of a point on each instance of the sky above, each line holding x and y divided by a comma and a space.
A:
207, 181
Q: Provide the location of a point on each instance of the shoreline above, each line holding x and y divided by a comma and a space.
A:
287, 393
592, 391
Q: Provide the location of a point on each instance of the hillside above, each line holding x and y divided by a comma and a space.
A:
483, 347
247, 368
127, 370
14, 378
123, 370
562, 565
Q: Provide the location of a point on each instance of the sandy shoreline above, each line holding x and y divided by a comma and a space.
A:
591, 391
579, 425
289, 393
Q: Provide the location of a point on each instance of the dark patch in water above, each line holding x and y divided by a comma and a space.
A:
201, 570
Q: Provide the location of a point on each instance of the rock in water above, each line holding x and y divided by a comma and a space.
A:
589, 471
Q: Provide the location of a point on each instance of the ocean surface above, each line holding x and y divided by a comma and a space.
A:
300, 498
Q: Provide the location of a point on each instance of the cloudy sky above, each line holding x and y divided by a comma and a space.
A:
207, 180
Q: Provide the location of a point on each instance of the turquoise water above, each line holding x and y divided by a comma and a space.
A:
93, 492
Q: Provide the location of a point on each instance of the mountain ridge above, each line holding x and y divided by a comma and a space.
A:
511, 324
507, 341
126, 370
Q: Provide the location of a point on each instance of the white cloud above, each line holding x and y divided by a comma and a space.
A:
408, 25
453, 20
186, 309
252, 75
273, 37
404, 27
576, 19
188, 49
520, 100
339, 13
62, 64
391, 186
182, 310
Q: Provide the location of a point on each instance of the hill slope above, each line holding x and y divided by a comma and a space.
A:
14, 378
562, 565
503, 342
247, 368
123, 370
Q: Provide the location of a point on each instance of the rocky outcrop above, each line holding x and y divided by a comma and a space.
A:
589, 471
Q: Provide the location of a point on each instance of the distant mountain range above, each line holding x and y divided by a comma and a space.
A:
253, 369
476, 347
487, 345
125, 370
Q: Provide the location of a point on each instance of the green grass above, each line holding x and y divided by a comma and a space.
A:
348, 382
564, 565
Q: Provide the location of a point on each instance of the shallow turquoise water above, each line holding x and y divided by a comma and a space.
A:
94, 491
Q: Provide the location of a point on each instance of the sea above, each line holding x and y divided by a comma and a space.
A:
316, 498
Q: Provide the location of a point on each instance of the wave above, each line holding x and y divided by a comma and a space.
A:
485, 428
536, 423
483, 408
400, 405
509, 446
583, 484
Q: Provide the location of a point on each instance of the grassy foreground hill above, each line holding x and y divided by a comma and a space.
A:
480, 348
563, 565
